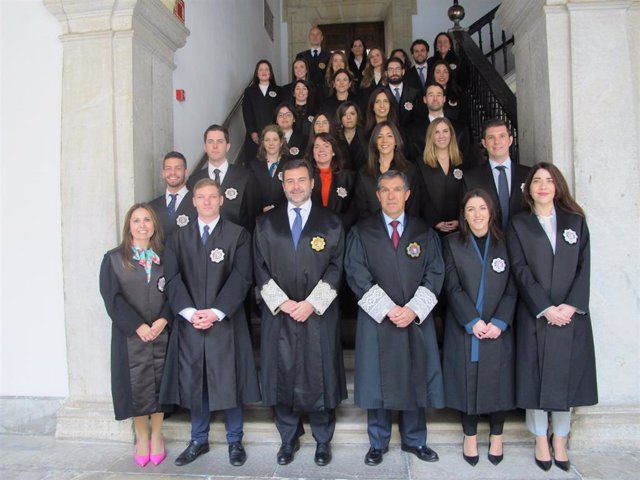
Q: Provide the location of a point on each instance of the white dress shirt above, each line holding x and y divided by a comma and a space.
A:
496, 173
223, 170
305, 210
181, 194
188, 312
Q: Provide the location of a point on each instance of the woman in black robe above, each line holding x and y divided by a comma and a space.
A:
385, 153
132, 286
478, 355
259, 105
350, 135
295, 140
303, 103
555, 362
267, 167
441, 170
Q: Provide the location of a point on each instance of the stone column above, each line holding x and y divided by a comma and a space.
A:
117, 122
578, 71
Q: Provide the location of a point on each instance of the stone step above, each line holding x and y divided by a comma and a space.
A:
351, 427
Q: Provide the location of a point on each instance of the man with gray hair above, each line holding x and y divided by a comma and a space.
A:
394, 266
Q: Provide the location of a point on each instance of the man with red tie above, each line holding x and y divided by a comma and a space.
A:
394, 266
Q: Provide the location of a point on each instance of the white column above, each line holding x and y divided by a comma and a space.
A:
117, 121
578, 70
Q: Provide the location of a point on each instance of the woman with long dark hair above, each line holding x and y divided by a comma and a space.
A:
132, 287
478, 349
386, 153
259, 104
555, 359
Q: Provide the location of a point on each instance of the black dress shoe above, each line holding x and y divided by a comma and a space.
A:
323, 454
374, 456
285, 454
544, 464
423, 452
237, 455
193, 451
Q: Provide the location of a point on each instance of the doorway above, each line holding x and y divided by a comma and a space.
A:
338, 36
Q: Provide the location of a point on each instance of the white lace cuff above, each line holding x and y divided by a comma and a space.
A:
273, 296
422, 303
321, 297
376, 303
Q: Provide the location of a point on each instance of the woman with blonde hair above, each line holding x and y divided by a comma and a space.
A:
441, 170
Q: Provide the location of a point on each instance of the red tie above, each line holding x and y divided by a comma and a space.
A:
395, 236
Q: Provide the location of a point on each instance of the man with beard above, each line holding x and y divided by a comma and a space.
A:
417, 75
175, 208
298, 254
405, 95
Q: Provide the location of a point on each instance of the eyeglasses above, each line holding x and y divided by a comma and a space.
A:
285, 114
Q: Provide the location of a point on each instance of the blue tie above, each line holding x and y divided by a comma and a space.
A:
205, 234
272, 168
423, 80
397, 94
171, 208
296, 229
503, 195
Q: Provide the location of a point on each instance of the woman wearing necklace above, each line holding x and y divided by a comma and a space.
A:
555, 359
132, 287
478, 353
441, 170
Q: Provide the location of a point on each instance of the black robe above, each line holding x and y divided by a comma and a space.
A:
341, 195
136, 366
258, 111
185, 213
396, 368
301, 363
442, 193
193, 279
297, 144
269, 188
241, 196
555, 366
487, 385
367, 202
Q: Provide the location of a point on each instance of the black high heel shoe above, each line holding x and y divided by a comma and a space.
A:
543, 464
561, 464
470, 459
495, 459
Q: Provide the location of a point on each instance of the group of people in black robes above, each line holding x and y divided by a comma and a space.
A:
499, 252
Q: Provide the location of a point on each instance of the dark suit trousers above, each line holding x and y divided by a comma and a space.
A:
289, 424
412, 424
201, 418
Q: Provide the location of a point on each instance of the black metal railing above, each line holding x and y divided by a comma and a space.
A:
486, 31
487, 94
233, 113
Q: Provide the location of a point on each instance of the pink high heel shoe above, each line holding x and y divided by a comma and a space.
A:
157, 458
141, 460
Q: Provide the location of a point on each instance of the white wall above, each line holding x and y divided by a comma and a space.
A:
32, 331
432, 17
210, 69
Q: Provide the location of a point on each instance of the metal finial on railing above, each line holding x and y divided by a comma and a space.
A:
456, 13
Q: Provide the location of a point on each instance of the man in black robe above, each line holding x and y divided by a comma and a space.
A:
210, 363
174, 208
394, 266
298, 253
238, 185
